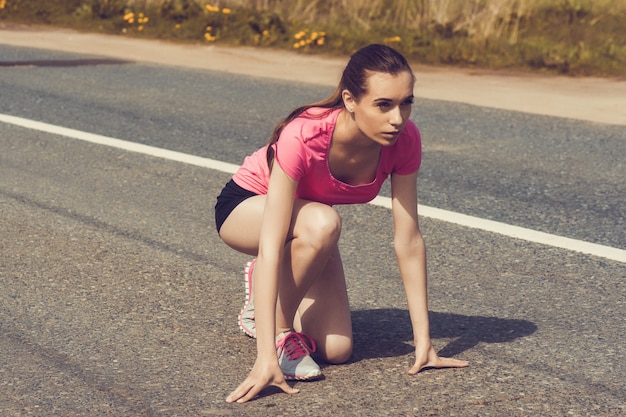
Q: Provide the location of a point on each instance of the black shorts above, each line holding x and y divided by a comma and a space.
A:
229, 198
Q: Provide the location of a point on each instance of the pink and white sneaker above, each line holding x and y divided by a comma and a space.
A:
246, 317
294, 356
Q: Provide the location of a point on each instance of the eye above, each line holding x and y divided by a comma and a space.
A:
382, 105
408, 102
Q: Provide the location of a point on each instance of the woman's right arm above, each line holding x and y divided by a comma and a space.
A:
274, 228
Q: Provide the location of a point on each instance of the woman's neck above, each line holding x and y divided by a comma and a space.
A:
350, 138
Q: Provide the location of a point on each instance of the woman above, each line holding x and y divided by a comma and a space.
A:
278, 207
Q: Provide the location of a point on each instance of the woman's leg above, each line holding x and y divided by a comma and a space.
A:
324, 313
314, 236
312, 267
242, 228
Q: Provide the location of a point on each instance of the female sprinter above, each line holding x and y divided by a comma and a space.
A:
279, 207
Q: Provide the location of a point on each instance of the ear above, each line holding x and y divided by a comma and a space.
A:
348, 100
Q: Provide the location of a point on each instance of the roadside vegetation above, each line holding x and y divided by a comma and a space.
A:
575, 37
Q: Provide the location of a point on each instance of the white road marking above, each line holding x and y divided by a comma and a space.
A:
516, 232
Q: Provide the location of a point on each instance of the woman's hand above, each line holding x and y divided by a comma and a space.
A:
426, 357
261, 376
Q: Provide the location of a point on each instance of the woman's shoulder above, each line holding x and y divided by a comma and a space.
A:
312, 123
409, 138
411, 129
405, 156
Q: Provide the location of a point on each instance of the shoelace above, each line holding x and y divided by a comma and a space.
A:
296, 345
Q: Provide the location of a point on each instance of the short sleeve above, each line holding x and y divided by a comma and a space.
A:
409, 150
291, 153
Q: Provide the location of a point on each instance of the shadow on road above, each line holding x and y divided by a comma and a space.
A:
386, 332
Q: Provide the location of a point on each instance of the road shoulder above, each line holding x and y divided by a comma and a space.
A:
591, 99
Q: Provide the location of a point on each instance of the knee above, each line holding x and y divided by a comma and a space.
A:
337, 349
324, 227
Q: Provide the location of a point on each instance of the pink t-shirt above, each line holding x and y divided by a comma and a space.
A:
302, 152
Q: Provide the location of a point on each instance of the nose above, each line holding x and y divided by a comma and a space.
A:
395, 116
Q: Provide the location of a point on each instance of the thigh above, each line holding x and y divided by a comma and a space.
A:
242, 228
324, 314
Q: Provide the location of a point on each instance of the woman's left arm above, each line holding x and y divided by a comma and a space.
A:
411, 253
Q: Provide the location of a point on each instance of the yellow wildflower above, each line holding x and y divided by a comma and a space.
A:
226, 10
129, 17
177, 26
266, 33
393, 39
3, 4
315, 39
207, 36
212, 8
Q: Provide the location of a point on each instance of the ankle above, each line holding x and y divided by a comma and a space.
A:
283, 331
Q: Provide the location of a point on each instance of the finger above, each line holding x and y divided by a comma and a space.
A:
244, 393
451, 363
415, 369
287, 388
240, 392
419, 365
233, 396
237, 394
252, 392
439, 363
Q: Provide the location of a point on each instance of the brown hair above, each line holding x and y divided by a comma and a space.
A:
371, 58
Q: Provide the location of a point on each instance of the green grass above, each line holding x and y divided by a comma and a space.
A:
575, 37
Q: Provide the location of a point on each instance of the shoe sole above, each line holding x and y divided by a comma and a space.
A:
305, 378
247, 279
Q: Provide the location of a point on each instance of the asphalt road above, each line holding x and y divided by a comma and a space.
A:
118, 298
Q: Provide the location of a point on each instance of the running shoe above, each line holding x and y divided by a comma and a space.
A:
294, 356
246, 317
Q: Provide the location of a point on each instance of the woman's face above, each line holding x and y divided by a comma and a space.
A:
383, 111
